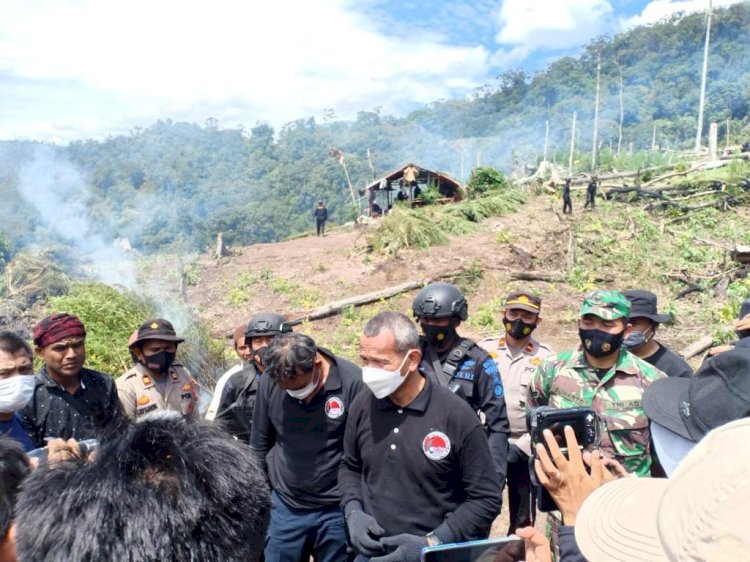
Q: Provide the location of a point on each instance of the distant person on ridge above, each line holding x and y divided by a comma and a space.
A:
567, 201
591, 194
321, 216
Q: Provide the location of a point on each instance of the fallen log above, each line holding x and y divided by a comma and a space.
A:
537, 276
697, 347
740, 254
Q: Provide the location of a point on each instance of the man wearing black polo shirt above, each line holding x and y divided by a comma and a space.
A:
416, 469
69, 401
299, 418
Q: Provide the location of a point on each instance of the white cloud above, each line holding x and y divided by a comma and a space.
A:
249, 61
660, 9
552, 24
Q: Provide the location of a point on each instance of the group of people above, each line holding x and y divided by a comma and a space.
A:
303, 453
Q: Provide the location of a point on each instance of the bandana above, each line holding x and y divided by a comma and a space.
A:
56, 328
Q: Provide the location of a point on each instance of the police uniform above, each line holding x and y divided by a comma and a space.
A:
516, 372
422, 468
140, 392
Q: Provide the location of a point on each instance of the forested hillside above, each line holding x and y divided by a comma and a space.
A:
178, 184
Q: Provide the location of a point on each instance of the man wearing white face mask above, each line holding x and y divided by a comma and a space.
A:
16, 386
299, 418
417, 469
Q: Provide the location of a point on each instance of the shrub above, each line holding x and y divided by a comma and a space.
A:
484, 179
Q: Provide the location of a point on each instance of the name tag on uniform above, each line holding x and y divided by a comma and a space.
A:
464, 375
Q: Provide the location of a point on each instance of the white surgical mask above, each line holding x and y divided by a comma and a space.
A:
670, 447
383, 382
15, 392
305, 391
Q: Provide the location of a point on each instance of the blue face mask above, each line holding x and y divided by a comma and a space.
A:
637, 338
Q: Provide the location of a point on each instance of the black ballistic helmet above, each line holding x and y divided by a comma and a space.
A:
266, 324
440, 300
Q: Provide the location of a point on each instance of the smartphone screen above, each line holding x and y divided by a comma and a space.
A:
506, 549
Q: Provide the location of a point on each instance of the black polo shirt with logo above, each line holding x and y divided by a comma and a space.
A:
420, 468
54, 412
302, 443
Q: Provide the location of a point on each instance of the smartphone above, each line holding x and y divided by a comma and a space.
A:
586, 426
505, 549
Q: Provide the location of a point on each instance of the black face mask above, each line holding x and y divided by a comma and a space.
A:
159, 362
518, 328
600, 344
437, 336
259, 357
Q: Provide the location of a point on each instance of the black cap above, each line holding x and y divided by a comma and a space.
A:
643, 305
718, 393
157, 329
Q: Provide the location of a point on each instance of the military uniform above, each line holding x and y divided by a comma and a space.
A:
141, 393
566, 380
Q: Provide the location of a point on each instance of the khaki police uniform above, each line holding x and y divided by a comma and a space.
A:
516, 373
141, 393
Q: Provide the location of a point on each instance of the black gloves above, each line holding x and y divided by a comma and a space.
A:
516, 455
408, 548
364, 531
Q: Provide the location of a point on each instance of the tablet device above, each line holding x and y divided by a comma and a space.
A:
505, 549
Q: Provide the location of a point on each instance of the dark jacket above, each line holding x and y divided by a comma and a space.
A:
320, 213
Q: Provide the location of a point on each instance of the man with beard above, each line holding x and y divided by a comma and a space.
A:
605, 377
460, 365
69, 401
156, 382
517, 355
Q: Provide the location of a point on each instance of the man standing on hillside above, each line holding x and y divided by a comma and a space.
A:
321, 216
156, 382
641, 340
242, 349
604, 376
69, 401
567, 201
460, 365
300, 413
416, 469
235, 409
591, 194
517, 355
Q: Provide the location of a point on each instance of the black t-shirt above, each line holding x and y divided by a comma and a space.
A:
54, 412
669, 362
235, 410
422, 467
302, 443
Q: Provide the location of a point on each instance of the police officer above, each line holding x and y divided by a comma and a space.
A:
300, 414
518, 354
460, 364
235, 409
416, 469
156, 382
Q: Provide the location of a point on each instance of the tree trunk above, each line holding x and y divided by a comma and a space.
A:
596, 107
572, 144
702, 102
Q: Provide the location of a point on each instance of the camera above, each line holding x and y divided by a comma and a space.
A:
585, 424
86, 446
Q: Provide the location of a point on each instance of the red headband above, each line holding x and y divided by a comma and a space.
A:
58, 327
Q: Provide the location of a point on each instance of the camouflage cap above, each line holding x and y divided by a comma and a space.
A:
608, 305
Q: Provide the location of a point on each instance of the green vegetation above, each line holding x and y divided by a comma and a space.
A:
484, 179
110, 317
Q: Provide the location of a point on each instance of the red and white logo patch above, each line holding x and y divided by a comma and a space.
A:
436, 445
334, 407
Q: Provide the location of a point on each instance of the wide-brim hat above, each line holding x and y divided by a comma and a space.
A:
643, 305
697, 514
157, 329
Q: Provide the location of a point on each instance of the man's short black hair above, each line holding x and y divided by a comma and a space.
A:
167, 489
11, 342
289, 354
14, 467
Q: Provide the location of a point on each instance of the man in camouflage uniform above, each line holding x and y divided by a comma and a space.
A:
517, 355
156, 382
604, 376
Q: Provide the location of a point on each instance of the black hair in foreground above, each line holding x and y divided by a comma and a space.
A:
14, 467
289, 354
167, 490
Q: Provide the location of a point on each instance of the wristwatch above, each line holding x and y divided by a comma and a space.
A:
432, 539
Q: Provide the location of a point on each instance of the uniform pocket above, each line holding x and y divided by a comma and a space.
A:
628, 433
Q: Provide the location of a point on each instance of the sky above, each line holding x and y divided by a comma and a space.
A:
80, 69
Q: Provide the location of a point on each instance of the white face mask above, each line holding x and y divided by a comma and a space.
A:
305, 391
16, 392
383, 382
670, 447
